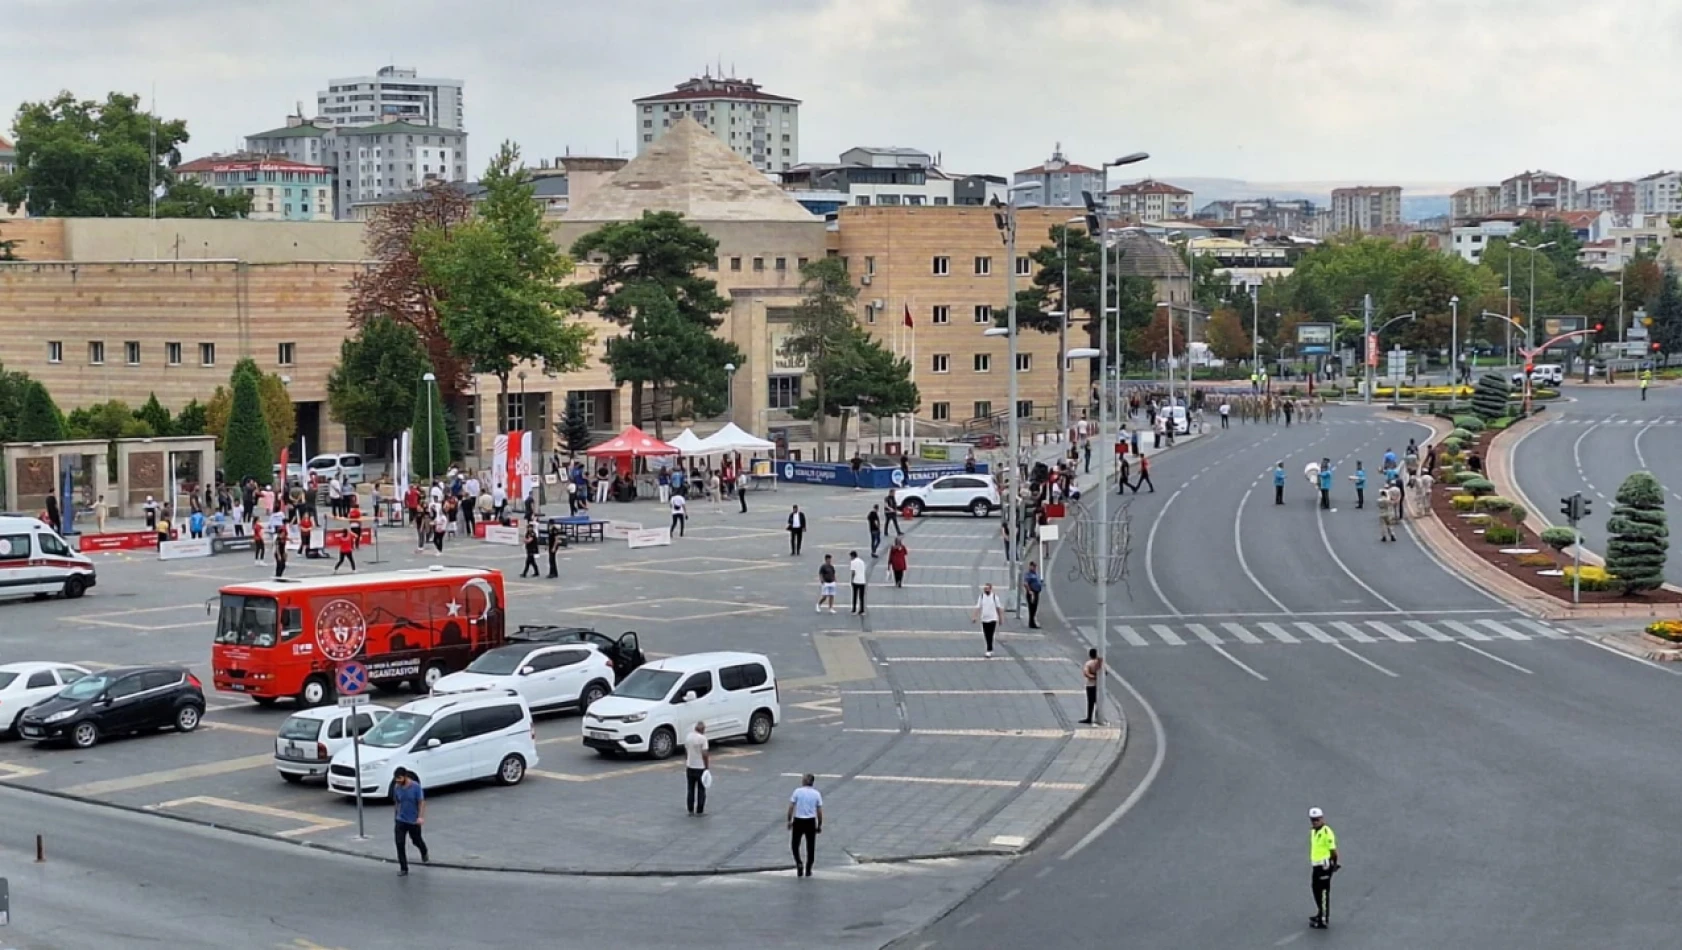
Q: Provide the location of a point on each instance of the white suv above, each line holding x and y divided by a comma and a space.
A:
445, 740
735, 694
335, 464
972, 493
547, 677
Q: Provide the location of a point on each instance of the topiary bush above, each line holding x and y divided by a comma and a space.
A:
1592, 578
1640, 536
1500, 534
1462, 502
1469, 423
1478, 521
1501, 423
1558, 538
1495, 503
1462, 477
1464, 435
1517, 513
1478, 486
1489, 399
1453, 445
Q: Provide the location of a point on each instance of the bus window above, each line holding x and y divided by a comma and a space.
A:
291, 622
247, 621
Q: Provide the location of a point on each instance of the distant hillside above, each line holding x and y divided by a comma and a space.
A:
1420, 199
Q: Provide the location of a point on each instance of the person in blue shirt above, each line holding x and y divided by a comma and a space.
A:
408, 803
195, 523
1326, 483
1279, 483
1360, 480
1389, 460
805, 821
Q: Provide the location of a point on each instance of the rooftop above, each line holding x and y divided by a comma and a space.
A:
1145, 256
396, 128
306, 130
244, 162
1149, 186
716, 87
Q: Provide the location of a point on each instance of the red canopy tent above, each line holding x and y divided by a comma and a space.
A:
631, 444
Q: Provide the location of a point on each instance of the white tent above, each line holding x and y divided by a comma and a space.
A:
689, 443
732, 438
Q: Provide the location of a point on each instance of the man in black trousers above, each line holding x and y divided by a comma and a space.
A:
796, 529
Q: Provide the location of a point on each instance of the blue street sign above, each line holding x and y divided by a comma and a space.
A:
353, 678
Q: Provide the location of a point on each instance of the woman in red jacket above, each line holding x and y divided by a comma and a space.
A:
896, 560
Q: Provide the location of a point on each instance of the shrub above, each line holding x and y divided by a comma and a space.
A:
1464, 435
1478, 486
1462, 502
1501, 423
1668, 629
1592, 578
1640, 536
1500, 534
1492, 503
1536, 560
1489, 400
1478, 521
1453, 445
1462, 477
1559, 538
1469, 423
1517, 513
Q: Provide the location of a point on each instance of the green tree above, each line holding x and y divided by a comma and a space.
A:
1640, 536
1037, 304
371, 391
107, 420
39, 418
278, 410
1228, 338
190, 420
659, 249
247, 448
500, 283
821, 328
83, 158
573, 428
430, 416
155, 416
1667, 315
670, 353
13, 387
1489, 398
860, 372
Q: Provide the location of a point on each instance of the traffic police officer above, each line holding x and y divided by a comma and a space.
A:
1646, 377
1322, 858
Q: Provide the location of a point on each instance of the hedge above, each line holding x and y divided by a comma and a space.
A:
1492, 503
1558, 538
1461, 478
1478, 486
1462, 502
1592, 578
1500, 534
1469, 423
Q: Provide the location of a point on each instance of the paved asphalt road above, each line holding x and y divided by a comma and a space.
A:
1592, 443
1492, 779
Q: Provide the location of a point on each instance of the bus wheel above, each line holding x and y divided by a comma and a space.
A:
314, 692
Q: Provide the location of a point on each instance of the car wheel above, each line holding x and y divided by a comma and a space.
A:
592, 695
662, 743
916, 506
314, 692
430, 675
187, 718
74, 587
291, 779
511, 771
979, 507
263, 701
85, 735
759, 728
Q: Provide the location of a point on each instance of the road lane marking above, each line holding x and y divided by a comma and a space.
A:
992, 733
1009, 895
1139, 790
1150, 552
1320, 522
1238, 630
1364, 659
962, 782
1504, 631
11, 770
1316, 632
129, 783
972, 659
1238, 546
1278, 633
639, 769
1541, 628
1168, 636
1493, 657
1628, 656
311, 821
959, 692
1355, 633
1389, 631
1429, 631
236, 727
1202, 633
1465, 631
1238, 663
1130, 635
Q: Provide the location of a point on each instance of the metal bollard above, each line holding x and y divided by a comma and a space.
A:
40, 849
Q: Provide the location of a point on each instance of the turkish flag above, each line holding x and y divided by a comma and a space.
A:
908, 316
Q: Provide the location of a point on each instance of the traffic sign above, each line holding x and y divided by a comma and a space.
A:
355, 699
352, 678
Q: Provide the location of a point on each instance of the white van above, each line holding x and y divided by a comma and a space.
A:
35, 560
335, 464
446, 740
651, 710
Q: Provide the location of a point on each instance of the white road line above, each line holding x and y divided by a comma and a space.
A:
1278, 633
1364, 659
1355, 633
1541, 628
1242, 634
1429, 631
1320, 521
1316, 632
1389, 631
1168, 636
1145, 783
1628, 656
1203, 633
1150, 553
1492, 656
1130, 635
1502, 629
1238, 663
1238, 546
1465, 631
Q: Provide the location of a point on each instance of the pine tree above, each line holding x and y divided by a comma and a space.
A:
155, 415
574, 429
39, 419
247, 451
429, 410
1640, 536
1489, 399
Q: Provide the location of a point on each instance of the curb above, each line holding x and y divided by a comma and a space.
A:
1644, 646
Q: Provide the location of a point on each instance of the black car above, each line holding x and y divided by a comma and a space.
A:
625, 653
116, 702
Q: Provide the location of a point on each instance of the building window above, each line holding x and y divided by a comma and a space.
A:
287, 354
784, 392
516, 412
1024, 362
864, 200
942, 314
781, 263
1024, 265
96, 352
759, 264
735, 263
712, 264
1024, 408
870, 265
983, 313
131, 352
983, 409
941, 411
55, 351
983, 266
207, 354
940, 201
869, 313
172, 354
983, 362
942, 266
940, 363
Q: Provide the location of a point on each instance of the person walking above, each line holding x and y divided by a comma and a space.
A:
529, 538
1325, 481
826, 584
257, 541
554, 544
874, 520
280, 551
742, 493
697, 759
796, 530
859, 574
890, 511
1226, 414
1360, 480
1323, 862
347, 552
408, 804
805, 822
1279, 482
680, 514
1032, 586
987, 610
663, 485
1090, 671
1004, 531
897, 560
1144, 475
440, 527
1086, 455
1388, 505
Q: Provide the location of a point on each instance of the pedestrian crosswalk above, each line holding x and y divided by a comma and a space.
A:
1254, 632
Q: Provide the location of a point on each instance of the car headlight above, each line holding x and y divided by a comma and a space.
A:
636, 717
61, 716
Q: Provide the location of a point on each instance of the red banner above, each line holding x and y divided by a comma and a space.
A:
120, 541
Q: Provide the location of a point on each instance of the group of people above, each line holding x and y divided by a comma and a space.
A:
1401, 478
1271, 408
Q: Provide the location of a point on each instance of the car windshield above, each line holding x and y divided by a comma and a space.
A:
6, 679
300, 727
647, 684
247, 621
87, 687
395, 730
499, 662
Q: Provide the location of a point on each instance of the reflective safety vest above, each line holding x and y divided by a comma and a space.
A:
1322, 841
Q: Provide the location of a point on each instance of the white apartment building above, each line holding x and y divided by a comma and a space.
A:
391, 94
1469, 240
869, 175
370, 163
1149, 200
1366, 208
1538, 189
761, 127
1659, 193
1061, 181
1476, 201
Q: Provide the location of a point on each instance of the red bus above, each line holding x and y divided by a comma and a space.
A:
286, 637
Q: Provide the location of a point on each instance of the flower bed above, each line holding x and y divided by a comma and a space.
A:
1666, 630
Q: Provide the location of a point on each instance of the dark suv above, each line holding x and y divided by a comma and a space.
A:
625, 653
120, 701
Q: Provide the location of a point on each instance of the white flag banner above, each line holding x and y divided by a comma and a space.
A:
403, 447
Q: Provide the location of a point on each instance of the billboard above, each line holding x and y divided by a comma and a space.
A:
1314, 338
1554, 326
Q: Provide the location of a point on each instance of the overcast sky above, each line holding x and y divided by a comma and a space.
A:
1268, 90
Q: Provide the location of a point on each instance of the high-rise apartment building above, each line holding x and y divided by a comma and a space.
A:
761, 127
371, 162
1617, 197
393, 94
1538, 190
1149, 200
1475, 202
1659, 193
1366, 208
1061, 181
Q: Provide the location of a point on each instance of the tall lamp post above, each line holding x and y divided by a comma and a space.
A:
1102, 545
730, 390
1454, 352
1062, 316
1007, 223
429, 379
1530, 315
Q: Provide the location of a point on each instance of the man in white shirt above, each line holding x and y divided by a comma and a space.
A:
805, 821
860, 576
499, 502
680, 514
696, 762
988, 609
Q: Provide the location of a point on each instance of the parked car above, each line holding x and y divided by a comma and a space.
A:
309, 738
655, 707
1542, 374
547, 677
446, 740
625, 652
22, 685
37, 561
972, 493
335, 464
126, 700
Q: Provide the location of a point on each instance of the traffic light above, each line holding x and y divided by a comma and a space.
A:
1584, 508
1529, 368
1599, 327
1574, 507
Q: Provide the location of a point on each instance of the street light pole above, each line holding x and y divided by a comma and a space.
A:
1530, 317
429, 379
1105, 460
1368, 351
1015, 483
1454, 352
1255, 337
730, 391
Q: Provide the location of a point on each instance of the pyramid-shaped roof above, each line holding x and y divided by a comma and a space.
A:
1145, 256
688, 170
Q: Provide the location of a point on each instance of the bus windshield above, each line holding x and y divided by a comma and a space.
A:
247, 621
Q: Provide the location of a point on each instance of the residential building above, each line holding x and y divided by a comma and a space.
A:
1061, 181
1369, 209
761, 127
977, 190
371, 163
1538, 189
393, 94
1475, 202
8, 157
1639, 233
1248, 264
1659, 193
1469, 240
1617, 197
280, 188
1148, 200
555, 185
876, 176
1284, 216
